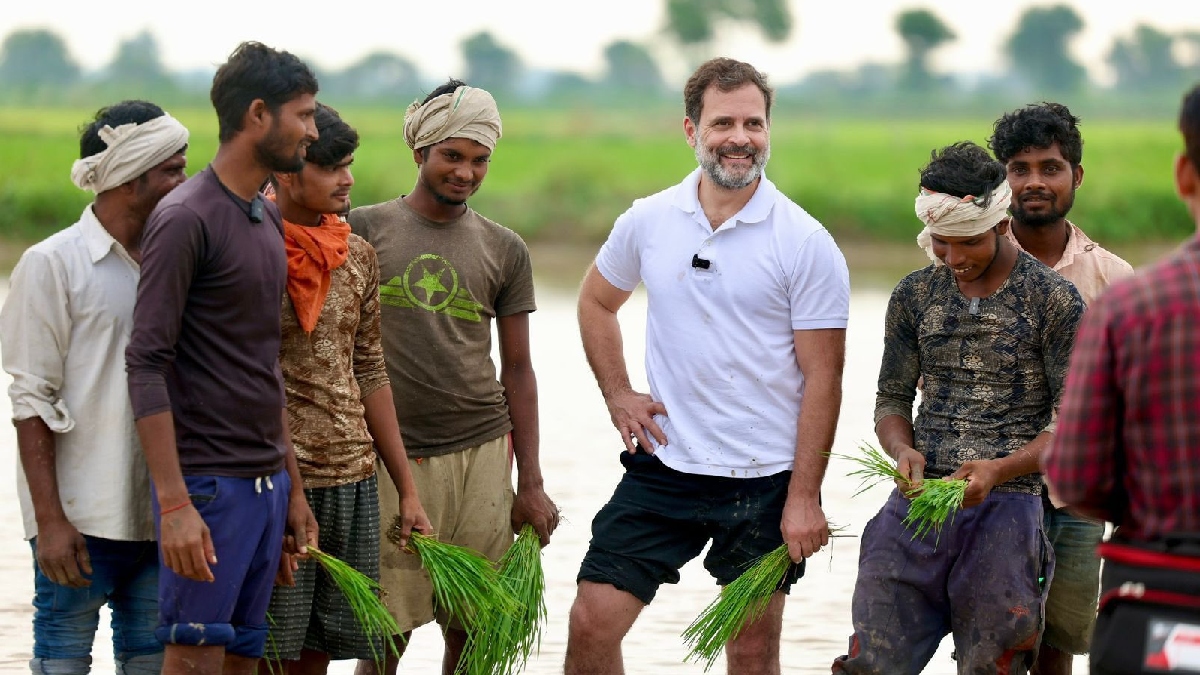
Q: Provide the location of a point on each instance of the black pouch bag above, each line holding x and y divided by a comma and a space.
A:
1149, 613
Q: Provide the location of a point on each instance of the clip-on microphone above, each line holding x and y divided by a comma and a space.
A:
256, 209
700, 263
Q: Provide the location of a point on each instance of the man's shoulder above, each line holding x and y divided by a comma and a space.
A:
1112, 262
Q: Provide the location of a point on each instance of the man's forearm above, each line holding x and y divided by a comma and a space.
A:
602, 344
379, 409
1025, 459
520, 389
894, 432
38, 451
816, 427
157, 433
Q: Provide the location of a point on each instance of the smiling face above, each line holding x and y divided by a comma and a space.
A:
451, 171
292, 128
1043, 185
732, 140
968, 257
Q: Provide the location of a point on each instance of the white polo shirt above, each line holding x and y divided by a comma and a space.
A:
720, 351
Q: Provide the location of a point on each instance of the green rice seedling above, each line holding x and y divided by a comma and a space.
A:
465, 582
937, 502
739, 603
503, 643
363, 595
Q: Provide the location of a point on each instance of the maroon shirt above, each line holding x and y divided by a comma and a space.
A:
1127, 448
206, 329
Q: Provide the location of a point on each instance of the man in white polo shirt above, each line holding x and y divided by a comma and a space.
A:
748, 300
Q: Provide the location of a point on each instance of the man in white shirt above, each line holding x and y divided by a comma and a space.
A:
748, 300
84, 487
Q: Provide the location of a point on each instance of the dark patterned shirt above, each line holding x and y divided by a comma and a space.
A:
992, 370
1128, 447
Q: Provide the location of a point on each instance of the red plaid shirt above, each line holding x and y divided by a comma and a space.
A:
1127, 448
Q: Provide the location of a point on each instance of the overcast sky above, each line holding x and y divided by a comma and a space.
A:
559, 34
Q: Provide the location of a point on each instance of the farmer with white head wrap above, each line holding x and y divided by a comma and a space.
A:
83, 485
133, 149
949, 216
987, 333
447, 274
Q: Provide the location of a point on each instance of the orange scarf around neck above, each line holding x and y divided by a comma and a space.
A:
312, 255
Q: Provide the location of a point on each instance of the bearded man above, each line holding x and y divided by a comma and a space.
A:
204, 375
748, 304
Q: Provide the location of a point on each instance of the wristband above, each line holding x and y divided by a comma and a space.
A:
174, 508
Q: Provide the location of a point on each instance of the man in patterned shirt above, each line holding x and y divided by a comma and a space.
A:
988, 329
339, 403
1042, 149
1129, 430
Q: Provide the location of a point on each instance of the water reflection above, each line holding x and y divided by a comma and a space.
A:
580, 463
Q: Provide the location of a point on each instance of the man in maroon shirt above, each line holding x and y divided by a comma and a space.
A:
1127, 449
204, 373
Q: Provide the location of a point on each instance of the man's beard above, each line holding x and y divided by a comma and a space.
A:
273, 154
710, 161
1044, 218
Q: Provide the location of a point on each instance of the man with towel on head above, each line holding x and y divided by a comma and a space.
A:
83, 485
988, 330
446, 273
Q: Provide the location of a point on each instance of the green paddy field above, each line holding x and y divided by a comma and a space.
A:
560, 177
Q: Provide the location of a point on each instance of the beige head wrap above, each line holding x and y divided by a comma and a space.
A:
466, 112
949, 216
133, 149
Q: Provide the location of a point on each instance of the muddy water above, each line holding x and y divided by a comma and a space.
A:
580, 464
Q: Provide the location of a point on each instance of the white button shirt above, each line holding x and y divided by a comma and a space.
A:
63, 332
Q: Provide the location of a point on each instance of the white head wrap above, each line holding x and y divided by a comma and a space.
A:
949, 216
466, 112
133, 149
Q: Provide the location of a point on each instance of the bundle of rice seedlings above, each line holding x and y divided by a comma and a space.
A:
503, 644
465, 582
363, 595
938, 499
741, 602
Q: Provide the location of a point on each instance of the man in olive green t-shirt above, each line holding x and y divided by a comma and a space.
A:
446, 272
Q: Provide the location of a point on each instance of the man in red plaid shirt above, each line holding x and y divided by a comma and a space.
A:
1128, 444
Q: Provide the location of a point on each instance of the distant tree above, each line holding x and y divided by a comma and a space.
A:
1039, 49
1146, 61
922, 32
137, 65
631, 68
36, 58
378, 76
566, 87
693, 23
491, 65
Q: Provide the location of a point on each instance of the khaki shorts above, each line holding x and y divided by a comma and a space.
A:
468, 497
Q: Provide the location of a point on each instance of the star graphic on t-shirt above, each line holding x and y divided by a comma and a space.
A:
430, 283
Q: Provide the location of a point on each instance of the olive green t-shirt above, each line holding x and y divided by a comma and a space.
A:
441, 285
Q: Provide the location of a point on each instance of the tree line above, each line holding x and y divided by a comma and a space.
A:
36, 66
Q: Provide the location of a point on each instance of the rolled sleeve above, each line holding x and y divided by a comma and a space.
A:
35, 329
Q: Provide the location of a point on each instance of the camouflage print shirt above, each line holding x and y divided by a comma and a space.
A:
991, 368
328, 372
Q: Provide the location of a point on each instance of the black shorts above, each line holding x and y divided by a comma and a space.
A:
659, 518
